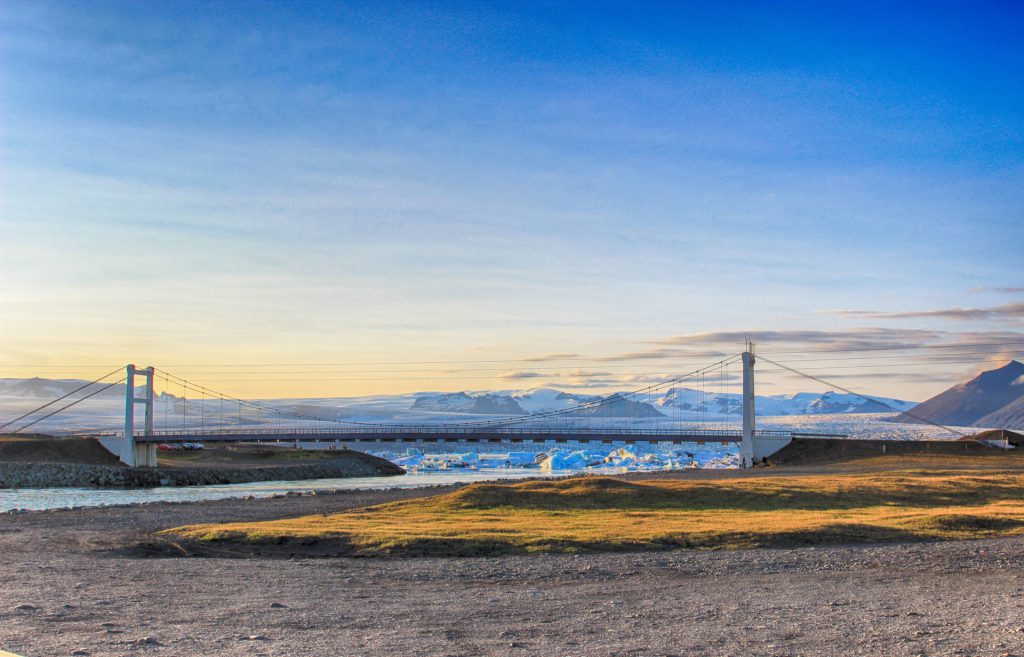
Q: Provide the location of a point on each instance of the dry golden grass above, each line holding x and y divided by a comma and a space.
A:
602, 514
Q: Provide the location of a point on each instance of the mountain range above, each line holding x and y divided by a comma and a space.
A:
686, 401
53, 388
678, 402
993, 399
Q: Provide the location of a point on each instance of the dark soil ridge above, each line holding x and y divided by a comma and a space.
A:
342, 548
50, 449
809, 450
85, 475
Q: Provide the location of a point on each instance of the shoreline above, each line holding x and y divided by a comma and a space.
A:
788, 470
29, 475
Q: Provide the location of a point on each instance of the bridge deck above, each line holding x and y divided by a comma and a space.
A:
448, 434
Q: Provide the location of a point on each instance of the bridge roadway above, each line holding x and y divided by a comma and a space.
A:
440, 433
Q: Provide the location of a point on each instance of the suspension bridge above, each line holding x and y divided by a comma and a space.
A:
586, 422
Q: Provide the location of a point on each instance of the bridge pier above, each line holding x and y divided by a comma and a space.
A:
132, 453
765, 447
747, 407
754, 448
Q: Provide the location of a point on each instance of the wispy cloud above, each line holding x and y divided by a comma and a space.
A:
652, 354
1004, 290
1010, 311
522, 375
902, 377
567, 374
550, 357
716, 344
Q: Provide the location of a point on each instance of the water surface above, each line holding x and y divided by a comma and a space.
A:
61, 498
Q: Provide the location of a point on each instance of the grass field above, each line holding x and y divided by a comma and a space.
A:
604, 514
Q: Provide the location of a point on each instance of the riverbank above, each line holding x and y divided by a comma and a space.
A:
607, 514
84, 463
73, 475
81, 580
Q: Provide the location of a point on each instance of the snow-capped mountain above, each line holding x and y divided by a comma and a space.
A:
540, 400
686, 401
105, 411
477, 404
801, 403
36, 388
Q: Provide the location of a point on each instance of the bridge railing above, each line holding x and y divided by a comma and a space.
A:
355, 433
467, 431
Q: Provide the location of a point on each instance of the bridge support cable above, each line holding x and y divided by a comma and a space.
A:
61, 398
203, 391
863, 396
578, 416
565, 425
597, 406
66, 407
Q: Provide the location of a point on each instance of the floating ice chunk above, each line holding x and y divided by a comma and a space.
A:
559, 459
520, 459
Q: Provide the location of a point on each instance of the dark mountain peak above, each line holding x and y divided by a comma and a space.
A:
1008, 373
967, 404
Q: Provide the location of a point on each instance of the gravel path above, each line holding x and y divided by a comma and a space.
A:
67, 592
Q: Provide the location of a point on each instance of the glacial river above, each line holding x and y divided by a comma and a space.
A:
62, 498
634, 458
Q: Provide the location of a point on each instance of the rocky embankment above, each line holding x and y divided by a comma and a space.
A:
81, 475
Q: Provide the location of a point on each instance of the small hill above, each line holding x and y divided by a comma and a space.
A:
982, 398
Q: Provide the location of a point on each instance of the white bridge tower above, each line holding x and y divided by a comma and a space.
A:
133, 453
755, 448
747, 445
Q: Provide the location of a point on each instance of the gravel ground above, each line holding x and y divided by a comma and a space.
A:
68, 590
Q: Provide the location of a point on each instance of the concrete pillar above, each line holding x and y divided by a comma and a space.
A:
150, 399
145, 455
132, 453
128, 444
747, 445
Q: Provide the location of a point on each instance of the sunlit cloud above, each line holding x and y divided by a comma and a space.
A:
523, 375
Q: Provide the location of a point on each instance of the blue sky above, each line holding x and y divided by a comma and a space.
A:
189, 183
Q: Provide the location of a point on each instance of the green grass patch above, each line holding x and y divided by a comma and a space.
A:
591, 514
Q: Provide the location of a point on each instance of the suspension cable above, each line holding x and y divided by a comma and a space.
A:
507, 421
48, 404
203, 390
611, 399
862, 396
64, 408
